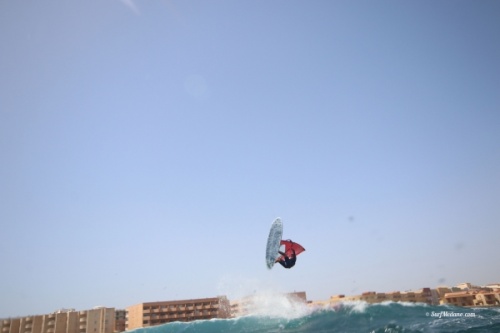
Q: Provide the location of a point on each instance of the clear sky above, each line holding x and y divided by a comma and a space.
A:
147, 146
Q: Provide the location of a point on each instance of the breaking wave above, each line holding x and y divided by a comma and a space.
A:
273, 313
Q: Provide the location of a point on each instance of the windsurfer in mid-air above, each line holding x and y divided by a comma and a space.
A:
287, 261
289, 256
280, 250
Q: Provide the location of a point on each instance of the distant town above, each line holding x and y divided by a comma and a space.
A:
111, 320
463, 294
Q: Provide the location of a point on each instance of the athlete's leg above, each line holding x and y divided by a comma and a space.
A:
282, 263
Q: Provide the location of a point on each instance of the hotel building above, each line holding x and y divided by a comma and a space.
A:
424, 295
157, 313
120, 320
97, 320
464, 294
480, 297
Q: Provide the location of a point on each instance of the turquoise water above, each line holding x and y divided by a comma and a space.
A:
350, 317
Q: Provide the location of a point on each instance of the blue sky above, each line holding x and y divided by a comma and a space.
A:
147, 146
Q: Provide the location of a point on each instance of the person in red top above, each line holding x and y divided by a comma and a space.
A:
286, 261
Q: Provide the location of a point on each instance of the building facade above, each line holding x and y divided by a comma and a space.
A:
473, 298
157, 313
424, 295
120, 320
467, 294
464, 294
97, 320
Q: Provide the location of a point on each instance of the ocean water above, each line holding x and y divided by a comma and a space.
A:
290, 316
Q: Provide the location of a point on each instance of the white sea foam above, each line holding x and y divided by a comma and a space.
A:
409, 304
413, 304
272, 304
356, 306
262, 298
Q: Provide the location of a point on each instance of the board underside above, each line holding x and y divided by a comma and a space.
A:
273, 242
